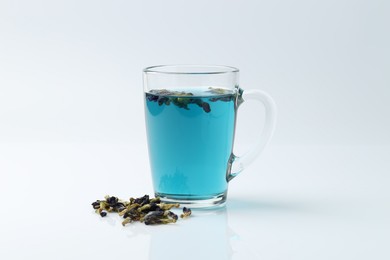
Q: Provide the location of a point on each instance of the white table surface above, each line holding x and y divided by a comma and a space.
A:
295, 202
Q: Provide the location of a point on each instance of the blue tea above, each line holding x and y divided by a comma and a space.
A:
190, 137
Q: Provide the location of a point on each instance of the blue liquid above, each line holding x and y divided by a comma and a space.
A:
190, 146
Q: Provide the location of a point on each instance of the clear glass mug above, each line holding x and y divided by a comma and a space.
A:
190, 113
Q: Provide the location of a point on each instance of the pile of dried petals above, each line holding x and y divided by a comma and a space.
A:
143, 209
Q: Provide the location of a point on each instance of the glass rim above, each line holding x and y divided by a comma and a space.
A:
185, 69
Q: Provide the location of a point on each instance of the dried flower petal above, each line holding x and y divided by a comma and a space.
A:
186, 213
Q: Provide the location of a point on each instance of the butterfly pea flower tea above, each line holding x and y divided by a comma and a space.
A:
190, 114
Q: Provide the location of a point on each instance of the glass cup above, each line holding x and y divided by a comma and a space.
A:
190, 113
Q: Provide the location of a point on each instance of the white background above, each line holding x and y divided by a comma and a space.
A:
72, 127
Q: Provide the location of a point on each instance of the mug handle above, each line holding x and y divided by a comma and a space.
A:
237, 164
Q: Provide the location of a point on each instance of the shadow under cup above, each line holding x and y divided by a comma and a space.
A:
190, 114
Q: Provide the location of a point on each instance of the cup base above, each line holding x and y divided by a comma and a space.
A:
192, 201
